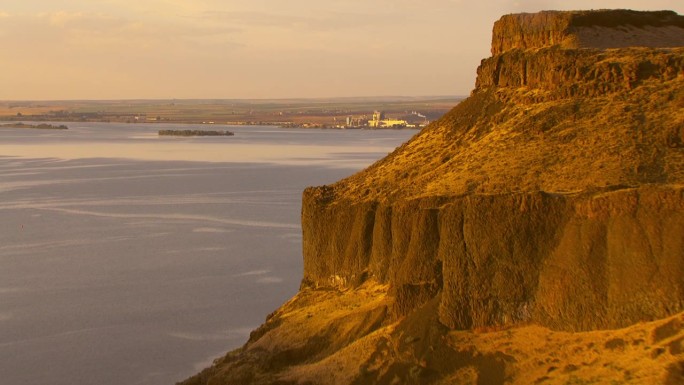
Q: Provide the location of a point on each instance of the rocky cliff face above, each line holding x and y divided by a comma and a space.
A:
570, 261
553, 196
588, 29
540, 199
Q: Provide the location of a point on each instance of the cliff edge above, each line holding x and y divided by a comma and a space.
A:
531, 235
602, 29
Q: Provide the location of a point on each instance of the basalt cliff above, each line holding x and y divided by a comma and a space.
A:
533, 235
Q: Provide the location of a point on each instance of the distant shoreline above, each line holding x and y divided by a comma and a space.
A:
335, 113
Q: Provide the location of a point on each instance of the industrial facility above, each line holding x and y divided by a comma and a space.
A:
380, 121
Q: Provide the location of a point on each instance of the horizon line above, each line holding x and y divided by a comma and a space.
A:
322, 98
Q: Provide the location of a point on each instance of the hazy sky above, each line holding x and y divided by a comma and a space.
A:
124, 49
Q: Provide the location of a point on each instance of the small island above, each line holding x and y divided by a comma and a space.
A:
43, 126
195, 133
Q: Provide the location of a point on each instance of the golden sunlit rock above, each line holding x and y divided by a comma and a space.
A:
533, 235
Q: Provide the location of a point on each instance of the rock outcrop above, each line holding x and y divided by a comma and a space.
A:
553, 197
570, 261
588, 29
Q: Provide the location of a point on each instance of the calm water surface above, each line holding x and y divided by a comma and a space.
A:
126, 258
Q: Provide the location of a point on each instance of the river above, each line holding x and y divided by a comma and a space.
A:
129, 258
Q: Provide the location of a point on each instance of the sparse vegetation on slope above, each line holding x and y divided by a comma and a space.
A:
338, 337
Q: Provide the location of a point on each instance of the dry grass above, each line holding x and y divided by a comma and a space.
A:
415, 350
492, 143
646, 353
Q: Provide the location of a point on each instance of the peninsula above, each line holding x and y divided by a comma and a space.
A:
532, 235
